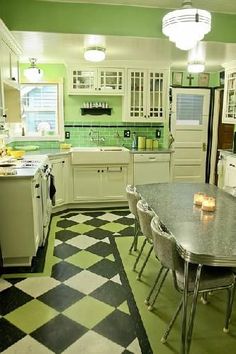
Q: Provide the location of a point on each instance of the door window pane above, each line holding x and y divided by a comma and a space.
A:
189, 109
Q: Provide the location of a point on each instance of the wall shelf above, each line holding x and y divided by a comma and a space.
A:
96, 111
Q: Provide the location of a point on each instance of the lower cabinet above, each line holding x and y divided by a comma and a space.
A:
60, 171
96, 183
21, 219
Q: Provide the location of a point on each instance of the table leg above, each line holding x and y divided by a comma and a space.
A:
193, 308
185, 308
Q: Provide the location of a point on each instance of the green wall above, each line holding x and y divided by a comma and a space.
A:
32, 15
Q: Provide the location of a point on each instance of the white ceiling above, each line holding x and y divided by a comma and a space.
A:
69, 48
226, 6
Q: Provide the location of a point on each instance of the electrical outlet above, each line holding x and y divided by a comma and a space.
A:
126, 133
158, 133
67, 135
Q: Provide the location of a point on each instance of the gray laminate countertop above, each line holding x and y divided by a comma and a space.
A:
202, 237
151, 151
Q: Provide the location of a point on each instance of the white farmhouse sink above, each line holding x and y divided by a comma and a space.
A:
99, 155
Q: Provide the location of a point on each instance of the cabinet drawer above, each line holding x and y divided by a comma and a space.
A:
151, 157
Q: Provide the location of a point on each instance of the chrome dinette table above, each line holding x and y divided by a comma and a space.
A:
203, 238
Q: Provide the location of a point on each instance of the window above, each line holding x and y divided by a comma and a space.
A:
42, 110
189, 109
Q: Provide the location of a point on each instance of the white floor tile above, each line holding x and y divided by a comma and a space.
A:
116, 279
134, 347
109, 217
82, 241
27, 345
80, 218
86, 282
37, 286
57, 242
93, 343
4, 284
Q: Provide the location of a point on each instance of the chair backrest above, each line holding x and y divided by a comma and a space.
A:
133, 198
165, 247
145, 215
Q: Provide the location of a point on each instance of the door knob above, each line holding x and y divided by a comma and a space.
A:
204, 146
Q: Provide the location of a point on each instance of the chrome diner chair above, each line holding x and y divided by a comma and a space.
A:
212, 278
133, 197
145, 215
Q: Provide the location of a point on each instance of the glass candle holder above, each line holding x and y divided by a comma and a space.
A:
209, 204
198, 198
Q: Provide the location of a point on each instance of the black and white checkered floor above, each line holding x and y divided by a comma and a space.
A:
86, 305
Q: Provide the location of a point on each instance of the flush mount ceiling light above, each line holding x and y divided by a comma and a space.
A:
187, 26
95, 54
33, 73
196, 67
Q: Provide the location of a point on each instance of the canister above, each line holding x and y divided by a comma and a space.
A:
141, 142
155, 144
148, 143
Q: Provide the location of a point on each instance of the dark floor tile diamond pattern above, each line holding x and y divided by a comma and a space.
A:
61, 332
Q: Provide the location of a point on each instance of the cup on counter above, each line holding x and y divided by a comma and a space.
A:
155, 144
141, 142
149, 144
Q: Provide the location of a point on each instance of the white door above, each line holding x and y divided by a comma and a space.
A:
189, 125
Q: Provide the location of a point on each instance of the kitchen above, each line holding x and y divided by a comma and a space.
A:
79, 183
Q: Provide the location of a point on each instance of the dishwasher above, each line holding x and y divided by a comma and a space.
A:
151, 168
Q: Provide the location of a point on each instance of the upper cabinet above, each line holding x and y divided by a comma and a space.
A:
9, 77
96, 81
147, 96
229, 103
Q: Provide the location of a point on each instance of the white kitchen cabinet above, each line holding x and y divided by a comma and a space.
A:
99, 183
152, 168
96, 81
229, 101
147, 96
21, 219
9, 77
60, 171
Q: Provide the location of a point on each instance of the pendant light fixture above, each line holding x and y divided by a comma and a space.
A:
186, 26
196, 58
196, 67
95, 54
33, 73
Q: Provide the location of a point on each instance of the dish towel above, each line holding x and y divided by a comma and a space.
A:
52, 189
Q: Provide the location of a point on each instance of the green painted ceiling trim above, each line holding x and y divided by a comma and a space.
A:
36, 15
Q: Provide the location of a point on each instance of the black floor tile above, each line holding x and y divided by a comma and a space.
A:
125, 221
12, 298
99, 234
66, 223
102, 249
59, 333
105, 268
111, 293
121, 212
95, 222
63, 270
118, 327
93, 214
64, 235
9, 334
63, 251
61, 297
69, 215
128, 231
126, 351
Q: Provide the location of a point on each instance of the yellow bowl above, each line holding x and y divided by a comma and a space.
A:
17, 154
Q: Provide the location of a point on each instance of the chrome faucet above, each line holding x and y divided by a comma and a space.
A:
95, 138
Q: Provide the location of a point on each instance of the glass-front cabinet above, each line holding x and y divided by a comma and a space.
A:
147, 96
105, 81
229, 105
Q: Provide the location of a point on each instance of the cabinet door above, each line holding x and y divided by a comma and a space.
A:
111, 80
157, 93
59, 173
229, 104
83, 81
87, 183
136, 97
37, 211
114, 181
5, 61
14, 68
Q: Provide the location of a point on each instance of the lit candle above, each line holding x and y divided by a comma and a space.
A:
209, 204
198, 198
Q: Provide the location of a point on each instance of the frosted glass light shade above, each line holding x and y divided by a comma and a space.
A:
196, 67
33, 74
186, 26
95, 54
